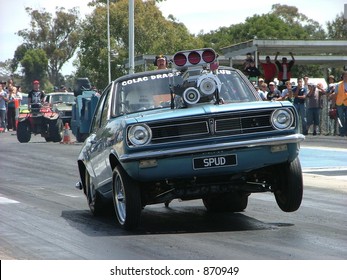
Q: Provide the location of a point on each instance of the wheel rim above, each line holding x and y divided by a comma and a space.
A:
119, 198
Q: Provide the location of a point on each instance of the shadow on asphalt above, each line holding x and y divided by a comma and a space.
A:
162, 220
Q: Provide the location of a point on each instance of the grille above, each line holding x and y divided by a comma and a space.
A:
243, 124
179, 130
239, 123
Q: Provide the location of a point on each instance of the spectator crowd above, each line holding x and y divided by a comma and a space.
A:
10, 98
321, 110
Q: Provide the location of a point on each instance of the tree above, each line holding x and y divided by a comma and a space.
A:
5, 69
58, 37
34, 64
283, 22
297, 21
337, 29
153, 35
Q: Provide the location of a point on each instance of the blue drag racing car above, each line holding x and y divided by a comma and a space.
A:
194, 131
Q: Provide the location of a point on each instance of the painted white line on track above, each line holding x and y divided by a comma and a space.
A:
4, 200
70, 195
320, 169
325, 148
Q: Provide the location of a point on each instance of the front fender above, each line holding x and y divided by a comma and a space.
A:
114, 159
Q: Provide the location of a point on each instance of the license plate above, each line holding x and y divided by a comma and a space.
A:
214, 162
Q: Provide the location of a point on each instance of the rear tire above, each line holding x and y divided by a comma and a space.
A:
126, 199
288, 189
93, 198
23, 132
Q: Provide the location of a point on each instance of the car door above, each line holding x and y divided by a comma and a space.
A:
98, 140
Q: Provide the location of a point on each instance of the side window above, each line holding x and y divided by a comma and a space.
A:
101, 111
106, 111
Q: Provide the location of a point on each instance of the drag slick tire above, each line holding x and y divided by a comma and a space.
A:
288, 188
93, 197
126, 199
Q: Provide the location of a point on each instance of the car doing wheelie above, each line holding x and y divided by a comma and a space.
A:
39, 120
195, 131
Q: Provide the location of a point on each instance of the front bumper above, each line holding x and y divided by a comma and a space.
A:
271, 141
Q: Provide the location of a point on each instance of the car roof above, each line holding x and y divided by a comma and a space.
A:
162, 71
60, 93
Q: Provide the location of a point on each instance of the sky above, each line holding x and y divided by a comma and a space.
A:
196, 15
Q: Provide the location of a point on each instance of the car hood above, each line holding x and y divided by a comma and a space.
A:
201, 109
63, 106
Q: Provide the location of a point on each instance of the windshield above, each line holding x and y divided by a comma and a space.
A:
62, 98
24, 100
149, 92
234, 89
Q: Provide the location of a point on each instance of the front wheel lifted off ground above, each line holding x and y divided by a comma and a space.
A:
126, 199
288, 188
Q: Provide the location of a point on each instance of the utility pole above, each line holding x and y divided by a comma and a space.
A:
131, 37
108, 42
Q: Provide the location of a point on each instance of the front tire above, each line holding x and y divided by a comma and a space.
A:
126, 199
23, 132
289, 187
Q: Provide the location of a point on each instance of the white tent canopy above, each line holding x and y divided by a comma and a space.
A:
330, 53
327, 53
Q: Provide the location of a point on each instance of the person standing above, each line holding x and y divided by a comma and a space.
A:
313, 106
18, 102
333, 126
341, 104
284, 68
269, 69
247, 61
11, 108
306, 82
252, 72
263, 91
273, 93
3, 100
300, 93
288, 93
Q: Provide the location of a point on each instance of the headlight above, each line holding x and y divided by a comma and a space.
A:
282, 119
139, 134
